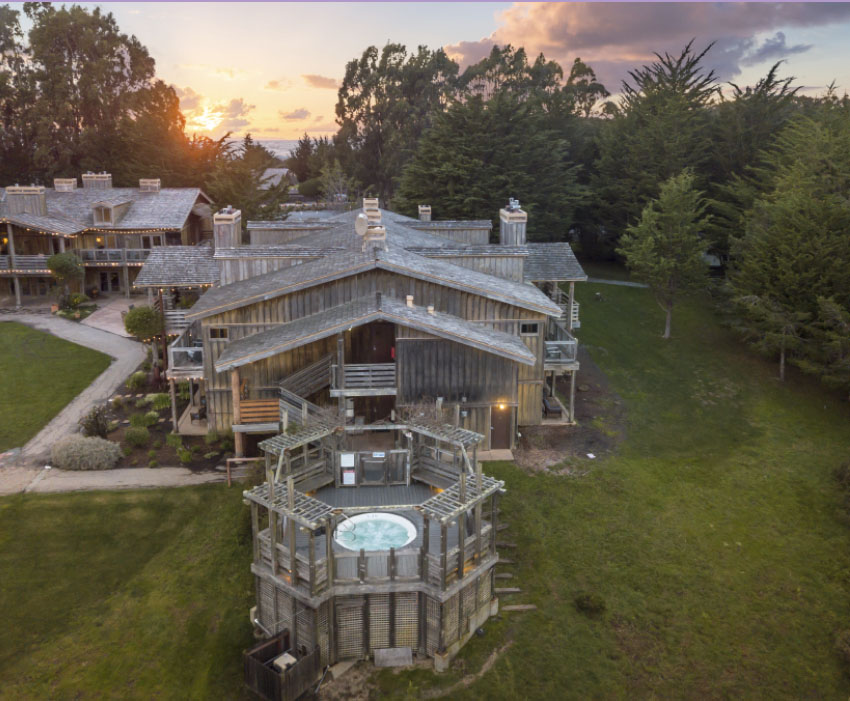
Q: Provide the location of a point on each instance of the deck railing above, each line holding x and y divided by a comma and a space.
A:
123, 256
186, 352
370, 376
560, 346
27, 264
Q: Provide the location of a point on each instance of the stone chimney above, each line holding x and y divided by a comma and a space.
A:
97, 181
149, 184
64, 184
26, 199
424, 212
227, 228
512, 224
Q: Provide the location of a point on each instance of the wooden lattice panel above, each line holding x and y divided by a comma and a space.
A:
265, 603
407, 620
283, 612
322, 629
468, 605
349, 628
432, 622
305, 625
450, 620
379, 621
485, 592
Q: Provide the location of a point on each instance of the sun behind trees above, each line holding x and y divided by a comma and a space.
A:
665, 248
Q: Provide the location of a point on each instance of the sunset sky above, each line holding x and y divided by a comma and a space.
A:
272, 68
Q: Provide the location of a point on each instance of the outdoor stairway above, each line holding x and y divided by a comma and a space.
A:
309, 380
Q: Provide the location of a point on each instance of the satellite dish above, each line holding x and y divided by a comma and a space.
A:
361, 224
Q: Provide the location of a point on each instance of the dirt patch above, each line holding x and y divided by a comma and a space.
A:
600, 427
355, 685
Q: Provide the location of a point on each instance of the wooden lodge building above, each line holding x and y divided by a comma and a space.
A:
368, 357
111, 229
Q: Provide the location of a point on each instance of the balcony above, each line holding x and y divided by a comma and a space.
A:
24, 265
186, 355
560, 348
107, 257
373, 380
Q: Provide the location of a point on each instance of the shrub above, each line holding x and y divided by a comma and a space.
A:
137, 381
137, 436
75, 299
145, 420
127, 450
311, 187
117, 403
212, 454
152, 454
141, 403
153, 463
113, 425
160, 401
85, 453
183, 391
174, 440
157, 444
589, 602
184, 455
95, 422
195, 449
226, 445
143, 323
146, 366
211, 438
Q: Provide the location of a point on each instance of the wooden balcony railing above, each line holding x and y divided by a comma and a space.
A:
363, 380
25, 264
113, 256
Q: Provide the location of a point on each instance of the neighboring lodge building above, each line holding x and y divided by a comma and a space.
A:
112, 229
369, 356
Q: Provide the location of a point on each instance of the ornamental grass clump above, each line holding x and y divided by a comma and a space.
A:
85, 453
137, 436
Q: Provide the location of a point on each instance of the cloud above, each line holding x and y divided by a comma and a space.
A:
318, 119
233, 114
268, 130
280, 85
617, 37
773, 49
189, 99
320, 81
214, 71
300, 113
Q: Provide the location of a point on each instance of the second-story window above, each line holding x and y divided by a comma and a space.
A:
218, 333
529, 329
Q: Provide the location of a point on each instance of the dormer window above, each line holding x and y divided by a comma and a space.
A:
102, 215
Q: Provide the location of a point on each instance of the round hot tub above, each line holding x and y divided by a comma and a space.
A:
375, 531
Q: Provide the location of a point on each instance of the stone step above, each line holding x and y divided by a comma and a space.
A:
508, 590
504, 575
503, 561
518, 607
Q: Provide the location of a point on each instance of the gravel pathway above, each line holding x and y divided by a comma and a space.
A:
621, 283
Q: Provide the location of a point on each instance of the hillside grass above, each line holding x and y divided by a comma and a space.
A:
715, 535
125, 595
39, 375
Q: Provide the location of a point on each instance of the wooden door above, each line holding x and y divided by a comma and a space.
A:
500, 427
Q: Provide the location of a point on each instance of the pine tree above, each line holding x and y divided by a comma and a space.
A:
665, 248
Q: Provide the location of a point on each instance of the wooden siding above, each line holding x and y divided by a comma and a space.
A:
276, 237
509, 267
236, 269
469, 236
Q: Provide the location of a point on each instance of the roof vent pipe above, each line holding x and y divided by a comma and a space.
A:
409, 299
431, 309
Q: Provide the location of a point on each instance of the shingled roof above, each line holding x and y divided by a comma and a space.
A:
178, 266
365, 310
394, 259
552, 261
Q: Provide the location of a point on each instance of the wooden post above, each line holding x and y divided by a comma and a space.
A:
457, 415
493, 523
238, 438
461, 543
16, 281
426, 545
443, 555
173, 392
572, 396
392, 566
312, 563
293, 560
126, 274
329, 550
361, 565
570, 306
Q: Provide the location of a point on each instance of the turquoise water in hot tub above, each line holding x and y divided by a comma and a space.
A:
375, 534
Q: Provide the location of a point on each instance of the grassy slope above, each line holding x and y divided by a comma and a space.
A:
39, 375
715, 535
123, 595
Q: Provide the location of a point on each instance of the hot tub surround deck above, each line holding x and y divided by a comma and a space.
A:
423, 595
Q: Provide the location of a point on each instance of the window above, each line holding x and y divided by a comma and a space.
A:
217, 332
529, 329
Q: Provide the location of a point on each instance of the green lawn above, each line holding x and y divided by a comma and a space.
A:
715, 536
39, 375
124, 595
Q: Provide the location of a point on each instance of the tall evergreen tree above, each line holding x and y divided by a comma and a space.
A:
659, 128
479, 153
665, 248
